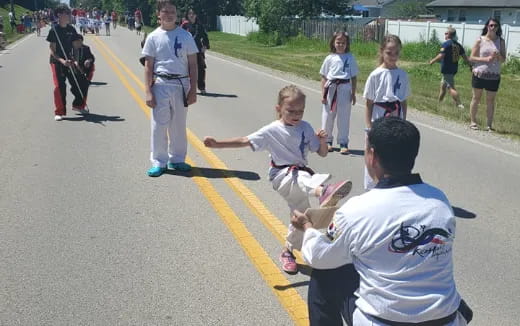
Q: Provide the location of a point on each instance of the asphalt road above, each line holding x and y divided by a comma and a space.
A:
86, 238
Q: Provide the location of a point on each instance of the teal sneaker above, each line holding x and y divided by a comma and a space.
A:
156, 171
182, 166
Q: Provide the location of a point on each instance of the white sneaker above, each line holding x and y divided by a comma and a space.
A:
460, 106
58, 118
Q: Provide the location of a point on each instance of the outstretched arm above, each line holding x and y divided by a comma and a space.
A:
437, 58
226, 143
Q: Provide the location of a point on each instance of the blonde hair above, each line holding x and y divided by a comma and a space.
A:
289, 91
389, 38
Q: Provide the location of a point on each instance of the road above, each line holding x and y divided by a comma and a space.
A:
86, 238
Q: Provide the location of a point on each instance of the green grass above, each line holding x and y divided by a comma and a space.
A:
304, 57
9, 34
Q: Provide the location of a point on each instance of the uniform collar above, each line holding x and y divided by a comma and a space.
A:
399, 181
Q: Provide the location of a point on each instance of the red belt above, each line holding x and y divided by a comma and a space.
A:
334, 97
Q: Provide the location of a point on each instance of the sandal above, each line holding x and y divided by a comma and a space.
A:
474, 126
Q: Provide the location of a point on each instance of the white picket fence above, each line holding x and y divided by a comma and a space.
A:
467, 33
408, 31
237, 25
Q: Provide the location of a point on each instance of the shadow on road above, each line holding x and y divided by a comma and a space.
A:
353, 152
357, 152
462, 213
95, 118
216, 174
291, 286
98, 83
217, 95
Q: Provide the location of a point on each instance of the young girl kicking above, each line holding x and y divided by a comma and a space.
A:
338, 86
288, 141
386, 89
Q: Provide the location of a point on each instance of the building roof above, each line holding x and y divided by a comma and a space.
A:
475, 3
372, 3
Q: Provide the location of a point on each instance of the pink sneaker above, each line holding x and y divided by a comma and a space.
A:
288, 262
332, 193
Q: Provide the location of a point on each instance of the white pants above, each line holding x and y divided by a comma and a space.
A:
361, 319
343, 109
296, 187
169, 123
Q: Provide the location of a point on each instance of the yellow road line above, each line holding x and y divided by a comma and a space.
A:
277, 228
288, 297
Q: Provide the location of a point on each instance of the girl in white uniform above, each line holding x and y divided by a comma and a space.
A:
386, 89
338, 86
288, 140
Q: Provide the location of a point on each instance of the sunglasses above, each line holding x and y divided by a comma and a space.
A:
492, 25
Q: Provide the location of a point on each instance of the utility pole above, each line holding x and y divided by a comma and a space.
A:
12, 8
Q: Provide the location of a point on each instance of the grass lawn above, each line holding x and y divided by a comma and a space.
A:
304, 57
11, 35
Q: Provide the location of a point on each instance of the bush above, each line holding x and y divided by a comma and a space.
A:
269, 39
512, 65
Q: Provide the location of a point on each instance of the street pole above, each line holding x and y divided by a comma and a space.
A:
12, 8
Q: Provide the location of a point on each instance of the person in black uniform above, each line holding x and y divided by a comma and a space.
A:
62, 32
83, 69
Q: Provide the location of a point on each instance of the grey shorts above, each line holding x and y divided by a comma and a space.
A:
448, 80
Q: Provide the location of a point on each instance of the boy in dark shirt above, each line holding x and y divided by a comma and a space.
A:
60, 39
449, 56
83, 67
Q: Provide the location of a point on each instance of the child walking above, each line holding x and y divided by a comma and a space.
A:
170, 84
288, 141
84, 70
386, 89
338, 87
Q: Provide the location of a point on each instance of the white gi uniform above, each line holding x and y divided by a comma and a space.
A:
338, 67
400, 238
289, 146
385, 85
170, 49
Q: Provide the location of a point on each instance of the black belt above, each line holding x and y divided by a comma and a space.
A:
170, 76
176, 77
463, 308
292, 168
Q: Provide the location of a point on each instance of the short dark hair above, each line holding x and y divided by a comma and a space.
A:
162, 3
62, 8
396, 143
76, 37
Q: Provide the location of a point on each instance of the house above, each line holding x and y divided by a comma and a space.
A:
370, 8
477, 11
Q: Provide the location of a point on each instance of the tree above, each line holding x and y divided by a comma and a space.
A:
410, 9
335, 7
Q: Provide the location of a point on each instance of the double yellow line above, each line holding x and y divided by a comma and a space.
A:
288, 296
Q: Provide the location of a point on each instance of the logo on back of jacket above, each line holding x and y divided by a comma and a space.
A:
421, 240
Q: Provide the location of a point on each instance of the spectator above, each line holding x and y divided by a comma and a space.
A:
449, 56
487, 54
12, 21
398, 235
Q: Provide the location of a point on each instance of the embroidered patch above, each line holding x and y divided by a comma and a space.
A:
333, 232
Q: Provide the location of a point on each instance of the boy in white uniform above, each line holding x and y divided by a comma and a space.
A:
170, 81
399, 237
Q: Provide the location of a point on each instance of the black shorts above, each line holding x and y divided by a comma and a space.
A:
488, 85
